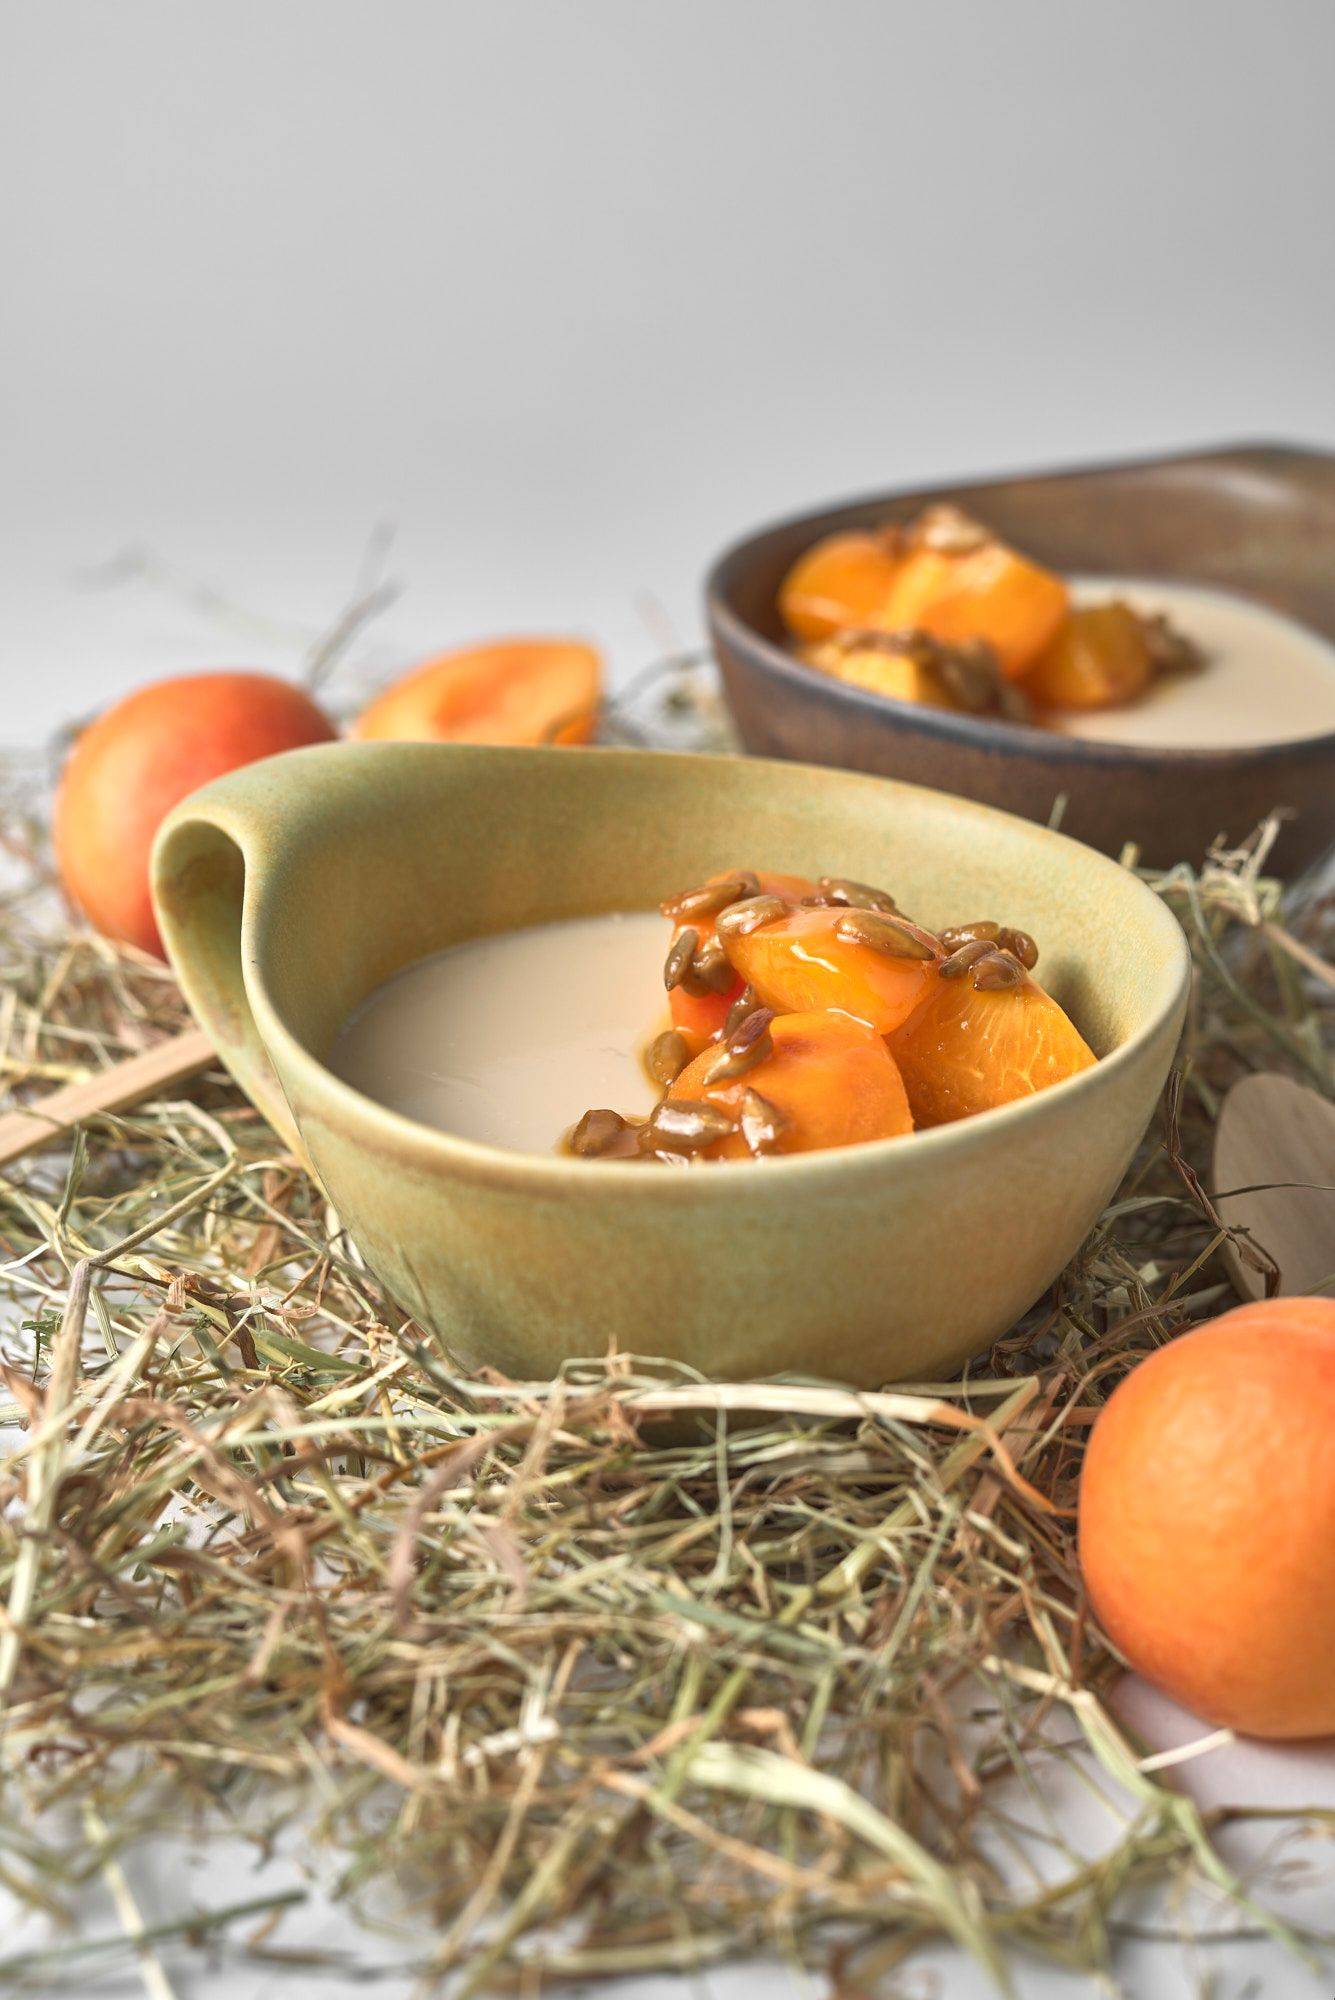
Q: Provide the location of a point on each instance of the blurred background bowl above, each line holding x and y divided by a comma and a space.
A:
1256, 520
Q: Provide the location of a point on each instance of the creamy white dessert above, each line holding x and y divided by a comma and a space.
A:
507, 1039
1265, 679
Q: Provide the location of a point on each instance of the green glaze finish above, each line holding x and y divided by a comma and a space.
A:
288, 891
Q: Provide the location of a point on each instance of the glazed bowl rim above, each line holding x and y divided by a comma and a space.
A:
996, 733
434, 1149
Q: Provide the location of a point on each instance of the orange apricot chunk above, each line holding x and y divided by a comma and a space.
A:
700, 1016
968, 1050
804, 960
511, 691
830, 1080
139, 759
1101, 656
900, 673
841, 582
959, 582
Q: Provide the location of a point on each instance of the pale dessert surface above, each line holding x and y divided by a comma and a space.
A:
1266, 679
507, 1039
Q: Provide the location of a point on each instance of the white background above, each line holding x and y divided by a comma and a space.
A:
573, 291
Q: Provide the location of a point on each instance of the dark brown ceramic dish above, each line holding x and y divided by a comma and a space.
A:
1258, 520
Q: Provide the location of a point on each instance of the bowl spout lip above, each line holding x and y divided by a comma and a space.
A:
313, 1086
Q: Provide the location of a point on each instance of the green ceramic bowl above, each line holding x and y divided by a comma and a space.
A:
288, 891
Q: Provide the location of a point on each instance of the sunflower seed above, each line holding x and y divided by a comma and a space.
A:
680, 953
958, 934
997, 970
763, 1124
748, 1044
603, 1135
667, 1056
746, 1003
1018, 943
964, 956
895, 937
686, 1125
949, 530
709, 971
710, 897
1171, 651
841, 892
740, 919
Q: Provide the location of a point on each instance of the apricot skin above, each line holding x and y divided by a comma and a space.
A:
135, 762
1207, 1518
509, 691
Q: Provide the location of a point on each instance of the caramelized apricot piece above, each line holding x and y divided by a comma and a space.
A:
842, 581
968, 1050
900, 673
829, 1081
515, 691
1101, 656
700, 1016
966, 584
807, 960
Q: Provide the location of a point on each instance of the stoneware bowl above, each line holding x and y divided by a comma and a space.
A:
1255, 520
288, 891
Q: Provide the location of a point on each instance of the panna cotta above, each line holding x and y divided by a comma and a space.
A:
505, 1039
1264, 678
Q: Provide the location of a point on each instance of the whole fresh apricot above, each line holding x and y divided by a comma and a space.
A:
136, 761
1207, 1518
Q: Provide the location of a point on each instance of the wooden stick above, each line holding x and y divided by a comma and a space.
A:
125, 1083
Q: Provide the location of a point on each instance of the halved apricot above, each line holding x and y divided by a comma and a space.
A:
959, 582
513, 691
967, 1050
830, 1081
841, 582
700, 1016
805, 960
1101, 656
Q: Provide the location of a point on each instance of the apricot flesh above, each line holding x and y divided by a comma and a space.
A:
139, 759
843, 582
966, 1050
700, 1016
1099, 658
800, 962
899, 675
831, 1079
988, 592
513, 691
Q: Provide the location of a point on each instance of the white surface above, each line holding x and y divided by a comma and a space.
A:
573, 293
